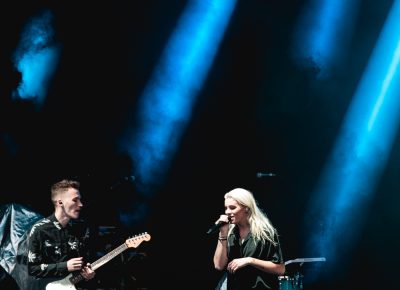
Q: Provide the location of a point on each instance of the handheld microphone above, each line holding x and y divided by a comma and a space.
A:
215, 228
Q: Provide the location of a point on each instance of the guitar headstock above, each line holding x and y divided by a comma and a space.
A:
135, 241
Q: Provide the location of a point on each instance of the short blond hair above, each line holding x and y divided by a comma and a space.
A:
62, 186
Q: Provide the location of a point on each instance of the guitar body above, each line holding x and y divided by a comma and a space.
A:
63, 284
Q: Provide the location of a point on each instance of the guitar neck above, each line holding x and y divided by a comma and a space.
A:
129, 243
100, 262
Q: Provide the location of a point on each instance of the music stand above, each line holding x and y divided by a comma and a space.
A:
295, 270
300, 261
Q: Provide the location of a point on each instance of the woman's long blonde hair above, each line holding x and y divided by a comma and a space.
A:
260, 226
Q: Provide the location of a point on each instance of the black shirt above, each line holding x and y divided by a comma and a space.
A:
250, 277
51, 246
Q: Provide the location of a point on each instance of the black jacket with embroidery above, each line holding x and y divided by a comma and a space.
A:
51, 246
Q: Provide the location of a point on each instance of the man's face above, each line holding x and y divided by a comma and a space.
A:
71, 202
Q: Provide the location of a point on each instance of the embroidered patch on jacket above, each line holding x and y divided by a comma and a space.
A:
31, 257
57, 225
73, 244
38, 224
57, 250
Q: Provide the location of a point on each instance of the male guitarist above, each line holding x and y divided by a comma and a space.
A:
55, 250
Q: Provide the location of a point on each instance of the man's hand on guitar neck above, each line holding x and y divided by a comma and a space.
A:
87, 272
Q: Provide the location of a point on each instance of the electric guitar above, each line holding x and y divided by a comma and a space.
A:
73, 278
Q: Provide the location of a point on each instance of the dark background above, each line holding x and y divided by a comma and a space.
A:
257, 112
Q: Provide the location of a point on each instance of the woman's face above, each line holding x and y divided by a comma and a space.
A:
236, 213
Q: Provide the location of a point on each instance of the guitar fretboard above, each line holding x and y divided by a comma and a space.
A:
100, 262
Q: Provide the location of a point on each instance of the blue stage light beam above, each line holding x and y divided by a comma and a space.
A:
166, 104
322, 34
343, 195
36, 58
